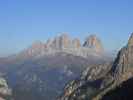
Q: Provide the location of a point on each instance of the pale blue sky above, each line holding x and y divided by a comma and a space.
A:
25, 21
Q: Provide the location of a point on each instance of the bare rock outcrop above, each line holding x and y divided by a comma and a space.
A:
76, 43
97, 80
93, 42
5, 91
64, 43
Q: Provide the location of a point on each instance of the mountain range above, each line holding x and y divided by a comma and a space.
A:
41, 71
105, 81
63, 43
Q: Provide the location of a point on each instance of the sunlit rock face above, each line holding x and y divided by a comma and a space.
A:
42, 70
76, 43
93, 42
124, 60
105, 76
130, 41
64, 43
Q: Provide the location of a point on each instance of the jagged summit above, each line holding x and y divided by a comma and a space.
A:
76, 43
110, 76
64, 43
124, 60
130, 41
94, 42
37, 44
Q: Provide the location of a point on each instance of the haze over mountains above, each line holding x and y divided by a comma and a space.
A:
41, 71
63, 43
98, 82
66, 49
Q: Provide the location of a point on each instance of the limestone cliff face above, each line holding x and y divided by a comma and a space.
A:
93, 42
124, 61
130, 41
76, 43
64, 43
97, 80
122, 69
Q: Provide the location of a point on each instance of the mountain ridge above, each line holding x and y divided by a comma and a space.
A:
64, 43
46, 67
114, 74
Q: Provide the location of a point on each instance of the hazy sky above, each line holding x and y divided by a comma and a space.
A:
25, 21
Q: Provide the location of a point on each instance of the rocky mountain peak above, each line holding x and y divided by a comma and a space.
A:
64, 43
130, 41
49, 43
94, 42
36, 48
76, 43
121, 71
37, 44
65, 40
110, 75
124, 60
64, 35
